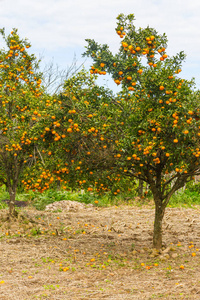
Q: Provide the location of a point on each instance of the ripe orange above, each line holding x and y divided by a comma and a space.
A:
137, 48
117, 81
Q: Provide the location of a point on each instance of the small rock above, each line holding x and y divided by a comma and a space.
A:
155, 252
174, 255
164, 257
166, 250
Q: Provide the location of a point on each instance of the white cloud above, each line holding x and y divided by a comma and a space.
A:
61, 26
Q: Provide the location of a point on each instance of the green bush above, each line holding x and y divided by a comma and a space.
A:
189, 197
193, 187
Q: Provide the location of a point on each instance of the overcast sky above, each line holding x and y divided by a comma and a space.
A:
57, 29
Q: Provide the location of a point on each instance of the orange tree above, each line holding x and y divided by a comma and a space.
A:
149, 131
21, 108
154, 123
73, 140
69, 132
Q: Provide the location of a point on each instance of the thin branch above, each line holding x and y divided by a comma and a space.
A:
54, 77
40, 156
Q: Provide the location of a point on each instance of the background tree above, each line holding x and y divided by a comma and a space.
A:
54, 76
21, 107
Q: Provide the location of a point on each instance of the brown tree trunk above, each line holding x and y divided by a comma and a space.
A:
12, 212
157, 234
58, 185
140, 188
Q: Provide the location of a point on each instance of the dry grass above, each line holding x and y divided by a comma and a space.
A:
99, 253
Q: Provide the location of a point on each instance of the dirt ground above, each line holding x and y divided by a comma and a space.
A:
86, 252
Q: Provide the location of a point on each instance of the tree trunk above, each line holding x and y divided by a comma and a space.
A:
12, 212
157, 234
140, 188
58, 185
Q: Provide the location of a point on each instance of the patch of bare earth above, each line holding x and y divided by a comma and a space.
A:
85, 252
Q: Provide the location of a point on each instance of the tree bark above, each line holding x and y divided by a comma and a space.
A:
12, 212
157, 234
58, 185
140, 188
